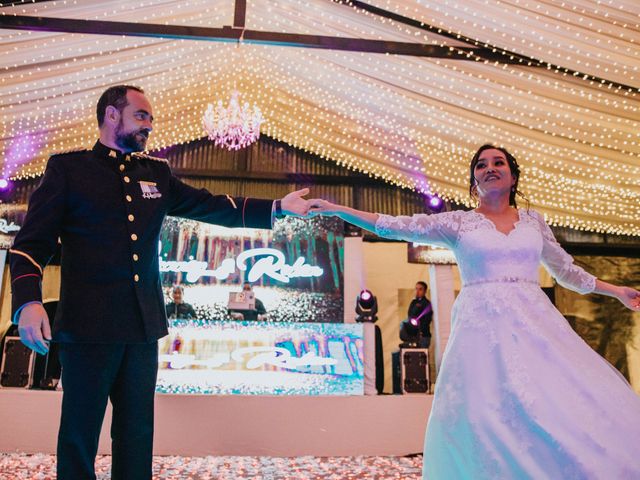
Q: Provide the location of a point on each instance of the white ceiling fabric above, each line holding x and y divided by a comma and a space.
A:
414, 121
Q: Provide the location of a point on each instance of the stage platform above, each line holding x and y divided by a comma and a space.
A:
278, 426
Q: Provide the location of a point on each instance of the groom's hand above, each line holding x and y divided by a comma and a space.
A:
34, 329
293, 204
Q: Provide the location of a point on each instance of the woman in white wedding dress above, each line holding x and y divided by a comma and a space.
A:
519, 394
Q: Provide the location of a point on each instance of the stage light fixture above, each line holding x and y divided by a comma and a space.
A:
366, 307
410, 334
4, 183
435, 202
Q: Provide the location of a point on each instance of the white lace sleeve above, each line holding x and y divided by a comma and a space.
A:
560, 264
437, 229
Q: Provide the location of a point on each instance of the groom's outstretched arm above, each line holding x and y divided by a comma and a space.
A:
202, 205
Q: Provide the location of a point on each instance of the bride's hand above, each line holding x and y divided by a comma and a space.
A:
318, 206
630, 298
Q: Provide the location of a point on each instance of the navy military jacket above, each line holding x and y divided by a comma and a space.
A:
107, 209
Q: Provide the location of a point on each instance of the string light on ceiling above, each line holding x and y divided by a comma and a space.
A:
414, 122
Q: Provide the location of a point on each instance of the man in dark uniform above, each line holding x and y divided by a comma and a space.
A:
179, 308
415, 329
107, 205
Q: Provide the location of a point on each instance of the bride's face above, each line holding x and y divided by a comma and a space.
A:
492, 173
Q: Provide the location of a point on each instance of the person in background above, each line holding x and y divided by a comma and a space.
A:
179, 308
416, 329
259, 313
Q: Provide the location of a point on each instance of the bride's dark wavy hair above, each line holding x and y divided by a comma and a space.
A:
513, 167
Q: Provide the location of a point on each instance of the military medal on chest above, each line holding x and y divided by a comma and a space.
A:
149, 189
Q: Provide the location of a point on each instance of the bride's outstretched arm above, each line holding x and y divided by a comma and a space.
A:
359, 218
628, 296
436, 229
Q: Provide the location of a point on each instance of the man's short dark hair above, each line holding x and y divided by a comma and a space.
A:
116, 96
423, 284
177, 288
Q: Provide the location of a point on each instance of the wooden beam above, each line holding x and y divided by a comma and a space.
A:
16, 3
240, 14
232, 34
229, 34
496, 54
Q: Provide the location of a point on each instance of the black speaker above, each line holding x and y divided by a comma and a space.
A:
414, 364
396, 372
39, 371
46, 368
17, 364
551, 293
379, 361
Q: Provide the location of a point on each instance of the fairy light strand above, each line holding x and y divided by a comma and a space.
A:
414, 122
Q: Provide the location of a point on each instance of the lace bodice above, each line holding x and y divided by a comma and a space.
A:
485, 254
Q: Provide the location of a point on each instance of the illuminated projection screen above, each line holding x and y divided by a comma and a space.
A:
299, 347
261, 358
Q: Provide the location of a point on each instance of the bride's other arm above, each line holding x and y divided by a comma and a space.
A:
562, 267
630, 297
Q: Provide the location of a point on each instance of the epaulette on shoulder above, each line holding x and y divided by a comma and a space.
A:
144, 156
74, 151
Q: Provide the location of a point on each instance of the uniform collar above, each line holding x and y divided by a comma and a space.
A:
108, 152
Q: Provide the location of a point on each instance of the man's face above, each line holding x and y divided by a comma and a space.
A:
420, 291
177, 296
133, 129
246, 287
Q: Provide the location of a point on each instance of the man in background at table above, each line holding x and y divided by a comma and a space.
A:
107, 205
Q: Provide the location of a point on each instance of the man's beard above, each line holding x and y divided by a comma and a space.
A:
135, 141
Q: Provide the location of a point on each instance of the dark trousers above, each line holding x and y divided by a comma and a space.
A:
91, 375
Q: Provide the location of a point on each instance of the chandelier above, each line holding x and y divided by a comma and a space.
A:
233, 127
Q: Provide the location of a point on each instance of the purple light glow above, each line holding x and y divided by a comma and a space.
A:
365, 295
4, 183
414, 322
435, 201
23, 148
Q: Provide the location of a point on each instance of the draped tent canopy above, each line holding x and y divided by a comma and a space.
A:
561, 92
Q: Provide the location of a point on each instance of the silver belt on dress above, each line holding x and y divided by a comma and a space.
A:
502, 280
